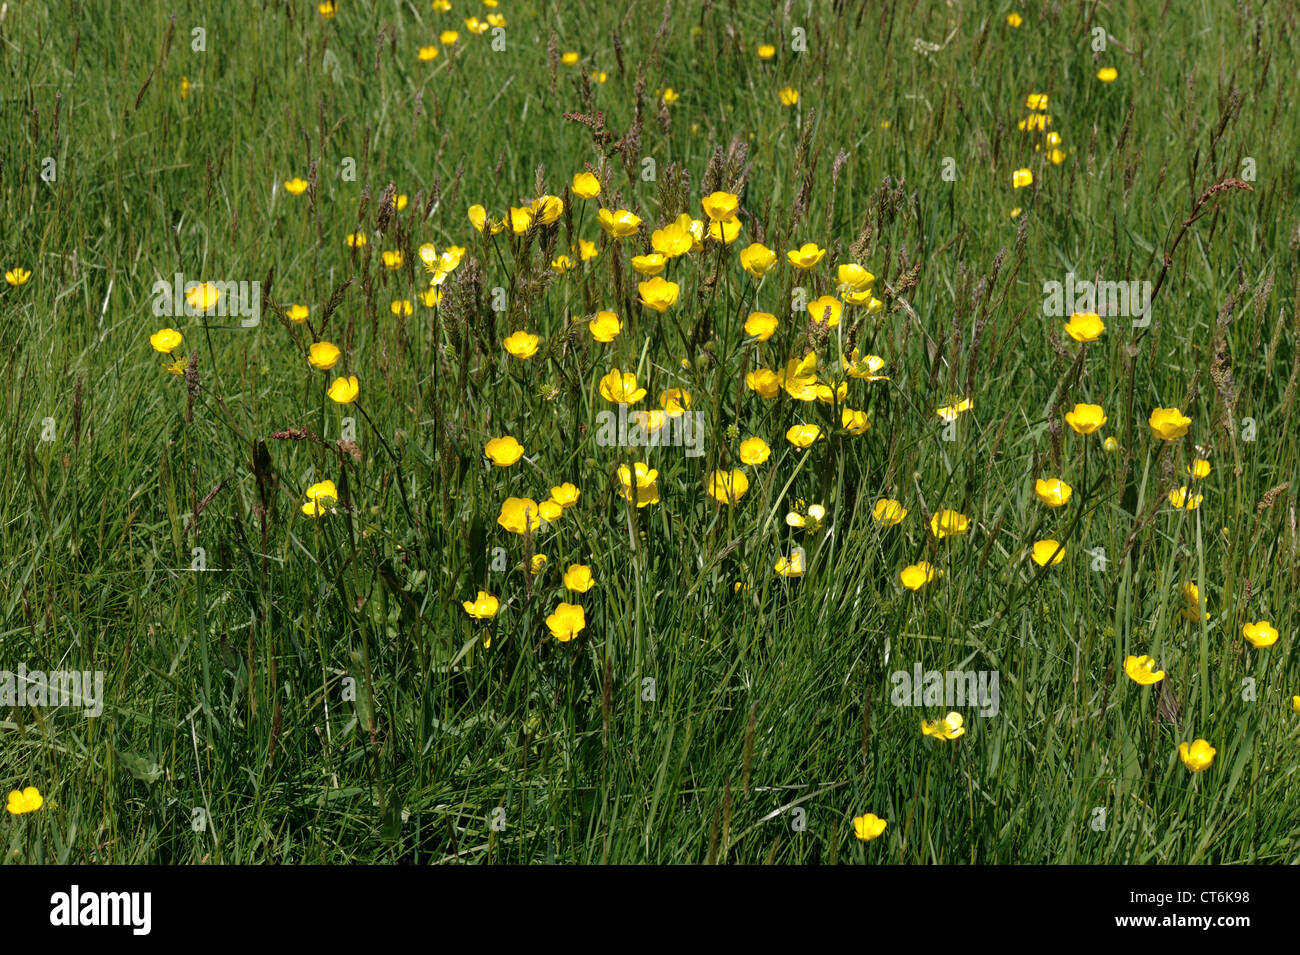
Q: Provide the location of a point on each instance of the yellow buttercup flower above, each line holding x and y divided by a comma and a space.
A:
402, 306
915, 576
757, 259
482, 607
547, 209
651, 264
873, 304
18, 276
1261, 634
806, 256
1198, 756
672, 240
1048, 551
1200, 468
321, 495
888, 512
764, 381
1053, 491
800, 377
448, 37
1182, 497
391, 259
550, 511
826, 310
521, 219
356, 240
1021, 178
854, 422
950, 727
344, 391
754, 451
1107, 74
618, 223
478, 218
323, 355
720, 206
297, 313
694, 227
621, 388
803, 435
791, 566
789, 96
604, 326
954, 407
1037, 101
863, 367
165, 340
675, 401
504, 451
726, 231
760, 325
728, 487
1085, 419
811, 520
521, 344
854, 278
569, 58
25, 801
578, 578
1110, 445
427, 53
202, 296
658, 294
868, 827
1168, 423
327, 9
566, 622
948, 523
639, 483
1142, 670
652, 420
295, 186
566, 494
585, 186
519, 514
1192, 609
1085, 326
1014, 20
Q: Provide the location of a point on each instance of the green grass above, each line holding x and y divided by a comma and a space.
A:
320, 693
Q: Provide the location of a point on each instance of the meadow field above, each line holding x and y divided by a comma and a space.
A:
653, 432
